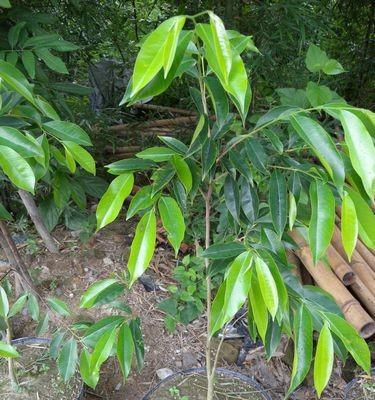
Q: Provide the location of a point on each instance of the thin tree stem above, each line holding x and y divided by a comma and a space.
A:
11, 370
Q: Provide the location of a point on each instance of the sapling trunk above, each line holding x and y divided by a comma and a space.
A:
34, 214
11, 369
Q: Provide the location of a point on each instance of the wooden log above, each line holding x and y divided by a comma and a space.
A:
366, 254
328, 281
364, 295
357, 263
340, 267
156, 123
173, 110
121, 149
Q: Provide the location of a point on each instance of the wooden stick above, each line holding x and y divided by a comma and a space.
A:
329, 282
366, 254
340, 267
156, 123
364, 295
172, 110
358, 265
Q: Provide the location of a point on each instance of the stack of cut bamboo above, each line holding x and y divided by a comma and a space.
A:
351, 283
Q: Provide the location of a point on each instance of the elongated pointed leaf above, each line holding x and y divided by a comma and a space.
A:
323, 359
110, 204
125, 349
17, 169
96, 331
170, 46
68, 359
139, 349
303, 346
4, 303
82, 156
173, 221
102, 349
267, 286
232, 197
278, 201
157, 154
183, 172
256, 155
223, 250
361, 150
292, 210
322, 218
90, 377
22, 144
349, 225
7, 351
322, 145
89, 297
219, 98
143, 245
68, 131
59, 306
141, 200
258, 307
209, 154
18, 305
249, 202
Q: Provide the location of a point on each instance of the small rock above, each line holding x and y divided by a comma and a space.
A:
118, 387
163, 373
148, 283
86, 269
189, 360
107, 261
71, 295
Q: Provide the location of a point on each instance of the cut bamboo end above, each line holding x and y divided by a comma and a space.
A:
340, 267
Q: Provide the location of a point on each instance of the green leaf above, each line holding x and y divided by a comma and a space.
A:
17, 169
161, 178
258, 307
68, 359
174, 144
333, 67
110, 204
91, 295
102, 349
16, 80
150, 58
219, 98
267, 286
139, 350
33, 307
292, 210
125, 349
273, 337
14, 33
221, 45
52, 62
90, 377
18, 305
173, 221
292, 97
322, 145
170, 46
47, 109
70, 162
55, 345
318, 94
232, 292
25, 146
278, 201
249, 202
256, 155
232, 197
141, 200
223, 250
5, 4
183, 172
4, 304
349, 225
129, 165
7, 351
68, 131
96, 331
143, 245
209, 153
356, 345
4, 214
322, 220
316, 59
82, 156
361, 150
59, 306
303, 346
366, 218
72, 88
42, 327
324, 358
50, 213
274, 139
157, 154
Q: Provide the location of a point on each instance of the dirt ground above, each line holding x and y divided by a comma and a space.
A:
69, 273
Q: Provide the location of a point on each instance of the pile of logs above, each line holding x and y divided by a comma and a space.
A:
351, 283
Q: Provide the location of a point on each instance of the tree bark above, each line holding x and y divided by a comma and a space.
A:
33, 211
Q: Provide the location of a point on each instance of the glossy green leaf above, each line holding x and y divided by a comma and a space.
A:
96, 331
157, 154
102, 349
18, 305
170, 46
111, 203
318, 94
143, 245
361, 150
70, 162
267, 286
14, 33
7, 351
55, 345
129, 165
274, 139
139, 350
33, 307
68, 359
42, 326
90, 296
53, 62
174, 144
5, 4
292, 210
273, 337
322, 145
161, 178
258, 308
256, 155
68, 131
316, 59
353, 342
249, 202
183, 172
303, 347
82, 156
322, 219
4, 214
59, 306
209, 154
173, 221
333, 67
218, 97
141, 200
232, 292
17, 169
89, 376
324, 358
4, 304
223, 250
349, 225
278, 201
125, 349
232, 197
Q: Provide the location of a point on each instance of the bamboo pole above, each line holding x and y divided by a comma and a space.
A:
340, 267
364, 295
173, 110
358, 265
156, 123
366, 254
328, 281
